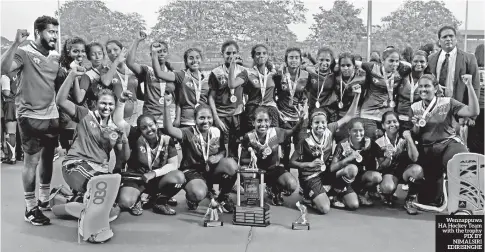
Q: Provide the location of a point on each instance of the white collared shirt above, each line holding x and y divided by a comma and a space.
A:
451, 70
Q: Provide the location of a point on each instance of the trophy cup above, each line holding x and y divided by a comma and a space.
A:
211, 217
301, 223
251, 210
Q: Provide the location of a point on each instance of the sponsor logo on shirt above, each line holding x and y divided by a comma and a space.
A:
36, 60
143, 150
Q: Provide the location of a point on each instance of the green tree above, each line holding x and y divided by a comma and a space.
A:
208, 23
340, 27
94, 21
414, 23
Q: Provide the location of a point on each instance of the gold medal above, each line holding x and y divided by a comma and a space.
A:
340, 105
359, 158
392, 104
233, 98
421, 122
317, 104
323, 167
161, 101
113, 136
267, 151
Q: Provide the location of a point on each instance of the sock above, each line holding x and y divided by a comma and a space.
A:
170, 190
44, 192
11, 146
30, 200
414, 186
341, 184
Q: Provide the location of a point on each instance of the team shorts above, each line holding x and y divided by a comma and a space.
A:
151, 188
36, 134
78, 174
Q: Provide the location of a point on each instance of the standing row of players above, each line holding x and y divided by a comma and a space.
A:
182, 105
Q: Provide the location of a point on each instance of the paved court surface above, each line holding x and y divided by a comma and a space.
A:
368, 229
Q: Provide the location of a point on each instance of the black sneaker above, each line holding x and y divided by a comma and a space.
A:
44, 206
409, 206
192, 205
277, 199
226, 203
388, 201
36, 217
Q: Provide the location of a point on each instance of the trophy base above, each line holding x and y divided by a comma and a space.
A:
252, 216
300, 226
208, 223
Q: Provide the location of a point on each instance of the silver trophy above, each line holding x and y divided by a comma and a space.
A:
211, 217
301, 223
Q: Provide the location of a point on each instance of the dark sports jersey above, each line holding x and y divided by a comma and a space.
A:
61, 77
252, 87
192, 145
399, 148
122, 82
309, 149
274, 137
138, 161
369, 153
218, 83
13, 79
185, 90
321, 88
153, 93
36, 96
92, 79
287, 105
93, 142
439, 121
404, 97
376, 101
347, 96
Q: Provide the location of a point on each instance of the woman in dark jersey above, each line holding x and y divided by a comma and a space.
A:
408, 92
154, 158
312, 156
290, 89
263, 143
119, 76
92, 77
259, 85
203, 161
382, 83
191, 85
433, 118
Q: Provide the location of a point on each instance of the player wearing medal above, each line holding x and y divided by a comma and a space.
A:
358, 153
96, 135
258, 83
154, 87
227, 103
191, 85
92, 77
408, 93
203, 161
38, 118
321, 85
347, 77
262, 143
399, 162
312, 154
119, 76
433, 118
382, 82
154, 158
73, 53
290, 89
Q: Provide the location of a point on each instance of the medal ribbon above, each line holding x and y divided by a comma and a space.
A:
320, 89
226, 73
124, 81
291, 84
389, 83
149, 153
262, 146
205, 152
413, 88
429, 108
262, 81
320, 144
198, 86
162, 89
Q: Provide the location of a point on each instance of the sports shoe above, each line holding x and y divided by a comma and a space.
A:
226, 203
365, 200
409, 206
388, 201
44, 206
336, 202
36, 217
114, 213
163, 209
172, 202
56, 155
136, 209
192, 205
277, 199
374, 195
